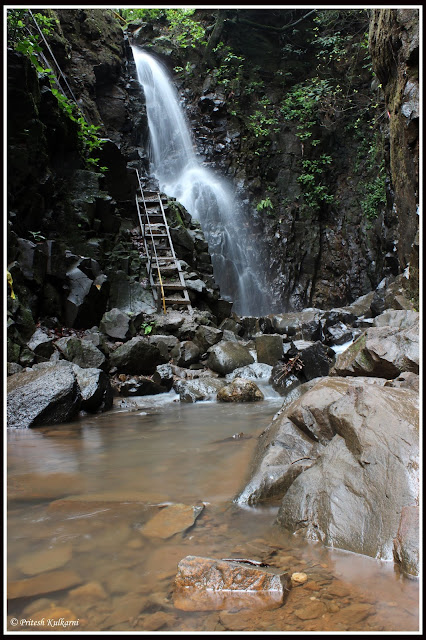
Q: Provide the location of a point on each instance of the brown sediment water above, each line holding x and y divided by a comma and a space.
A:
80, 557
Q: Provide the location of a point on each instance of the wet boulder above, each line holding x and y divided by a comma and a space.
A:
41, 344
95, 388
115, 324
198, 389
225, 356
240, 390
137, 356
163, 375
305, 325
206, 337
316, 359
165, 344
81, 352
353, 494
43, 396
255, 371
381, 351
338, 334
185, 353
269, 348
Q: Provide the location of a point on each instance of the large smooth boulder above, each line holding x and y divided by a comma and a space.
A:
396, 318
353, 494
43, 396
240, 390
269, 348
381, 351
137, 356
225, 356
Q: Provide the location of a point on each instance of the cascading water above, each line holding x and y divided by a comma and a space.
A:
208, 199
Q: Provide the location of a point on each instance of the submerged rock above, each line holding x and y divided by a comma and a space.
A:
240, 390
171, 520
46, 582
208, 584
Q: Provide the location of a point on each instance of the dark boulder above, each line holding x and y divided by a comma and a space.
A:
203, 388
137, 356
95, 387
206, 337
137, 386
185, 353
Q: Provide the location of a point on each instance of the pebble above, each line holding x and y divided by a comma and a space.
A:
298, 578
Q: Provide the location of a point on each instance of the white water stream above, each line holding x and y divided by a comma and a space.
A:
207, 197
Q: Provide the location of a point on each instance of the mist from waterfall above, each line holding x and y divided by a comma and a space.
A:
206, 196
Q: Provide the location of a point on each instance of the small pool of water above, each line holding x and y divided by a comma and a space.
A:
80, 494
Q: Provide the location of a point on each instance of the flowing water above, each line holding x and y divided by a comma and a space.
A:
79, 495
237, 263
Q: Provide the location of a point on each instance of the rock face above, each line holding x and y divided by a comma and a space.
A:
240, 390
224, 357
205, 583
46, 396
406, 543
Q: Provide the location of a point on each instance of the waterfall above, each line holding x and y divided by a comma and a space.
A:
206, 196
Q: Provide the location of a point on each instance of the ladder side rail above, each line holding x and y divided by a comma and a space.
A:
179, 269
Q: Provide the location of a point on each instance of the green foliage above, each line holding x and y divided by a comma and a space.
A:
305, 103
315, 193
37, 236
182, 28
375, 196
229, 71
147, 328
262, 123
23, 40
265, 204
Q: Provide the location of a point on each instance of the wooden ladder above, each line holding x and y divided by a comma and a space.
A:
164, 270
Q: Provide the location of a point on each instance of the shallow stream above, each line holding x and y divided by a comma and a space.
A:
79, 494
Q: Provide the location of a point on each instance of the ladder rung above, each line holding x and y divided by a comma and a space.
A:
175, 287
176, 301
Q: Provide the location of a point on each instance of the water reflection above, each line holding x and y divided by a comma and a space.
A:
80, 495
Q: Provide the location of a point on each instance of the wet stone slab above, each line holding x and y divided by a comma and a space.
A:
171, 520
204, 584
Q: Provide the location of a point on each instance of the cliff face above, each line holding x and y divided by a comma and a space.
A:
336, 219
394, 45
296, 119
